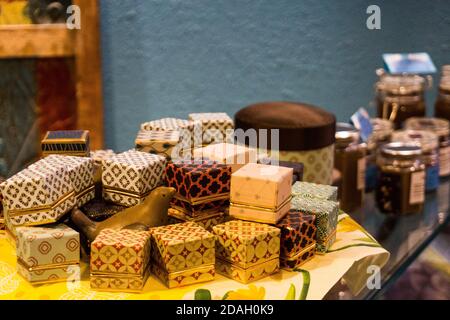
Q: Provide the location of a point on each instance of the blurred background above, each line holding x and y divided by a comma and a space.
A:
134, 61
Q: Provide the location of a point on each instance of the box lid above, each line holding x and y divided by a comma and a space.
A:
48, 246
183, 246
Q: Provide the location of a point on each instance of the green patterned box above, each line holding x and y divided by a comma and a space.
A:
326, 213
314, 190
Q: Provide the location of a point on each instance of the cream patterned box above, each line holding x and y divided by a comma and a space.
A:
130, 176
40, 194
216, 126
157, 142
48, 254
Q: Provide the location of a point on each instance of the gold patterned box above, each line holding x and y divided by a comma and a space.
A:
189, 131
157, 142
119, 260
38, 195
130, 176
48, 254
260, 193
68, 142
326, 213
216, 126
207, 221
247, 251
183, 254
81, 171
233, 155
298, 239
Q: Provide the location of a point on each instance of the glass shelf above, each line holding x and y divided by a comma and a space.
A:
405, 237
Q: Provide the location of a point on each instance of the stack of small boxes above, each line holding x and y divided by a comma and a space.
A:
120, 260
183, 254
67, 142
320, 201
202, 191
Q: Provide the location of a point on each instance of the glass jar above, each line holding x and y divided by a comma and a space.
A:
350, 160
442, 106
441, 128
399, 97
401, 179
382, 130
430, 153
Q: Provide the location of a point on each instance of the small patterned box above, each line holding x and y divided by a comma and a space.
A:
81, 171
68, 142
38, 195
313, 190
183, 254
48, 254
326, 213
260, 193
130, 176
298, 239
202, 187
157, 142
99, 155
119, 260
207, 221
216, 126
189, 131
247, 251
226, 153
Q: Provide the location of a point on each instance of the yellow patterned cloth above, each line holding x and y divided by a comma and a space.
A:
349, 258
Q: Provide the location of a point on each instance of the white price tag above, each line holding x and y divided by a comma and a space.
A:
417, 188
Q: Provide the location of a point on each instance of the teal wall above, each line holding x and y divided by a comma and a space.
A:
166, 58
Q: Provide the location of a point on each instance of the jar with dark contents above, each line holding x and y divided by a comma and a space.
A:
441, 128
350, 160
382, 130
442, 106
401, 179
430, 153
399, 97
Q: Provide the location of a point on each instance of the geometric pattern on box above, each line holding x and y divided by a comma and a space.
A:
246, 244
157, 142
261, 186
99, 210
81, 170
47, 254
227, 153
214, 126
124, 252
128, 177
313, 190
248, 275
184, 278
120, 283
298, 238
38, 195
207, 221
318, 163
301, 258
182, 246
326, 213
200, 185
189, 131
100, 155
69, 142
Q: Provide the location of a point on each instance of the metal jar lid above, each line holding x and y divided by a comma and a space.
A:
402, 149
401, 84
427, 140
346, 133
439, 126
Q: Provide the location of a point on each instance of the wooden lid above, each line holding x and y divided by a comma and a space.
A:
301, 126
